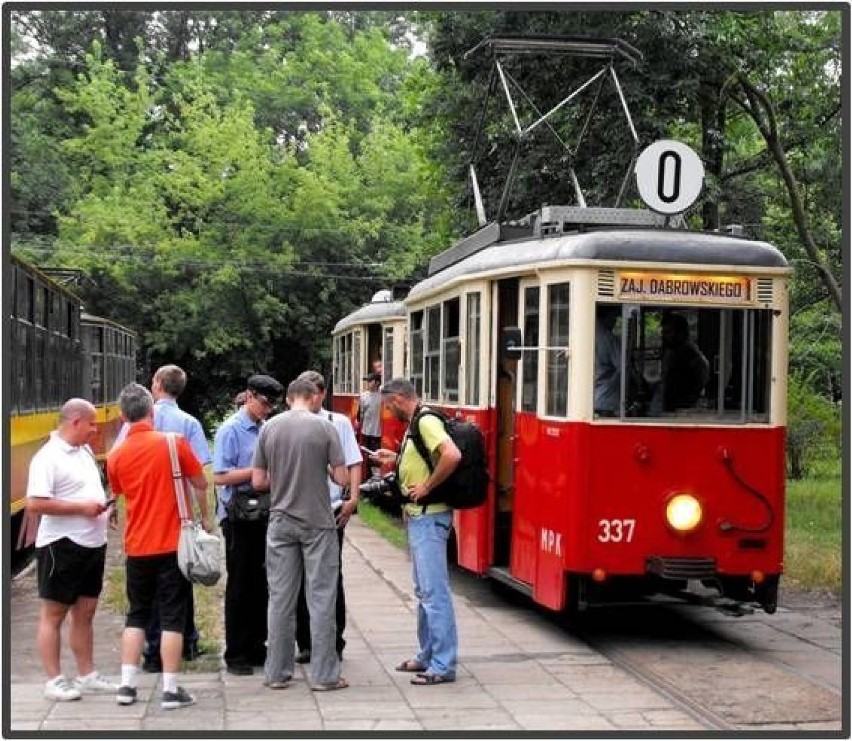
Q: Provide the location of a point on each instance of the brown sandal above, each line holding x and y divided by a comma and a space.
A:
412, 666
426, 679
340, 684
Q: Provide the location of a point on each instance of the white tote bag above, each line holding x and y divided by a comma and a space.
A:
199, 552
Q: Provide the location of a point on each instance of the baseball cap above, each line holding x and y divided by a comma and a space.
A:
377, 377
266, 386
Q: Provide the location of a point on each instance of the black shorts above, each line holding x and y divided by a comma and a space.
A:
156, 580
67, 571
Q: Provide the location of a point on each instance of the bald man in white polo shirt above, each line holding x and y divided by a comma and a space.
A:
65, 488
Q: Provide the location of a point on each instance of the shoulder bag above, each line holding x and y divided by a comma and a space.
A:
199, 552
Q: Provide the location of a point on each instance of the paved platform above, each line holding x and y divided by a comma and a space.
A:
517, 671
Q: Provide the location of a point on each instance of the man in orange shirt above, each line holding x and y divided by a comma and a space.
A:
140, 469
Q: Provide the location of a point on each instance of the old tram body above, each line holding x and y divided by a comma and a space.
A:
587, 507
370, 337
57, 352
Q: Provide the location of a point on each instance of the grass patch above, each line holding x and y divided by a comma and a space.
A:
390, 528
813, 538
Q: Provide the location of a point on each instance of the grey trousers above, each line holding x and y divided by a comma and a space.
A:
290, 549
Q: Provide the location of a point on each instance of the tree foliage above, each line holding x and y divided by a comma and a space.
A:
234, 181
232, 207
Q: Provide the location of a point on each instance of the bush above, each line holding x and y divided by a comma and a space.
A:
813, 427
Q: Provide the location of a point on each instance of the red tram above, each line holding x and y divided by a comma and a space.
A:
630, 376
370, 339
658, 492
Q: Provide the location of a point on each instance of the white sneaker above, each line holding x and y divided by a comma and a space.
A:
95, 682
60, 689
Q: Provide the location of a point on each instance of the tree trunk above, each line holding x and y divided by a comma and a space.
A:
712, 147
760, 109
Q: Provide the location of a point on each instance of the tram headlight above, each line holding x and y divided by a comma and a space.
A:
683, 512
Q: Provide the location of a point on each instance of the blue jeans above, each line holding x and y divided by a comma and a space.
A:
436, 619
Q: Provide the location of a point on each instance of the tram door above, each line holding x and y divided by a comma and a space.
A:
507, 316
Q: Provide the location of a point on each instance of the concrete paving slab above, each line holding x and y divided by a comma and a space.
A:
517, 671
532, 722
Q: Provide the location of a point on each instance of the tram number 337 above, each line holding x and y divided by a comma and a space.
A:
616, 531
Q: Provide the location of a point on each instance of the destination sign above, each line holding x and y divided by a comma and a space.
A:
717, 289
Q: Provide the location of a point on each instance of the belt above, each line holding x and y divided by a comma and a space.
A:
413, 509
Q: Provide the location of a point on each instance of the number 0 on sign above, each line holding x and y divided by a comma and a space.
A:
669, 176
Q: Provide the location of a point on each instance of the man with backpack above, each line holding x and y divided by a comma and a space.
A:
428, 527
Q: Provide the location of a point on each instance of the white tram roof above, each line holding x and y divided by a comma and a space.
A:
379, 311
631, 246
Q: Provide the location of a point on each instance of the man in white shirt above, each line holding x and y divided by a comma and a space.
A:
343, 510
64, 487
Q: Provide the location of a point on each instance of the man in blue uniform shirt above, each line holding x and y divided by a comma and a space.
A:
246, 593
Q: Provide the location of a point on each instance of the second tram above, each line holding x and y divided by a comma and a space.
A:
370, 339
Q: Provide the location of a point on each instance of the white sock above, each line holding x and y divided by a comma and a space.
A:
128, 675
55, 679
170, 682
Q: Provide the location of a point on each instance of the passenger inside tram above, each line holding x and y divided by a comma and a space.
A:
685, 370
607, 388
607, 362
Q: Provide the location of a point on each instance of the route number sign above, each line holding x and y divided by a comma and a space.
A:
669, 176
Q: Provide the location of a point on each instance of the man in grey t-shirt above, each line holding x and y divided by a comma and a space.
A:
370, 411
295, 452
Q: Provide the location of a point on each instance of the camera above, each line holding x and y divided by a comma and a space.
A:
382, 486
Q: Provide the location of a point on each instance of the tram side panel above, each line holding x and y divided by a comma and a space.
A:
474, 547
547, 519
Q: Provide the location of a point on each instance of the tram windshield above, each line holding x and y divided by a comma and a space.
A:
701, 364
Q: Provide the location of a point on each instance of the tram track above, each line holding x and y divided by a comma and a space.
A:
658, 684
722, 678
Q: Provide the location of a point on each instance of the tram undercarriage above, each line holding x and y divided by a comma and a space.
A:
734, 595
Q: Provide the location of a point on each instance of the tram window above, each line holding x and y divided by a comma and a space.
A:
39, 371
708, 364
355, 376
335, 365
24, 367
472, 346
347, 363
432, 354
450, 350
529, 390
387, 354
25, 296
14, 285
53, 314
417, 351
556, 399
97, 378
40, 315
72, 320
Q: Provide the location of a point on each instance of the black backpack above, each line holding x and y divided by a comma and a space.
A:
467, 486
